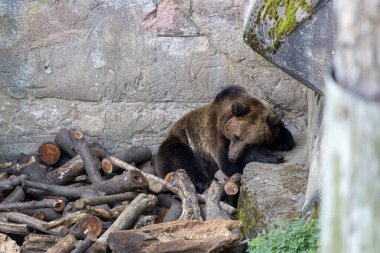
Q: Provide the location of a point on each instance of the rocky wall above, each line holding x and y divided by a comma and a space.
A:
124, 71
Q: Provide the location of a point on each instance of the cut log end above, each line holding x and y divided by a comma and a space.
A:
78, 135
92, 226
60, 205
231, 188
49, 153
137, 178
107, 166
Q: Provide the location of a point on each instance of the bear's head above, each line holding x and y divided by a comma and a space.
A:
250, 122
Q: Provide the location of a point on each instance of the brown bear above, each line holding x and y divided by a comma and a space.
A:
227, 133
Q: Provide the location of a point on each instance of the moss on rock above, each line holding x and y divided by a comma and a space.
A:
272, 21
249, 216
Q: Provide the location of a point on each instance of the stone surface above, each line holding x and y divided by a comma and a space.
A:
124, 71
273, 192
305, 50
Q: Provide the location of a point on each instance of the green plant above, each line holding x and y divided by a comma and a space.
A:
298, 237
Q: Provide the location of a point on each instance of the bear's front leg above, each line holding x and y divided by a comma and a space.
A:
284, 140
258, 153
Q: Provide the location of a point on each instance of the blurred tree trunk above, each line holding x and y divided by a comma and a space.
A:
351, 159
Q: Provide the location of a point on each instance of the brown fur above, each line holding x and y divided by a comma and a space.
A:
218, 134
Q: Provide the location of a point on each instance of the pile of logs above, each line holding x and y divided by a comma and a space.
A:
77, 197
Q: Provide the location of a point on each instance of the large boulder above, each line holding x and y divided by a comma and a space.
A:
273, 192
297, 36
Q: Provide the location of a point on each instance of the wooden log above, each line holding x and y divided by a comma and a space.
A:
226, 207
45, 214
178, 236
33, 223
67, 172
166, 185
99, 151
58, 190
188, 195
11, 182
38, 242
82, 246
16, 195
13, 228
174, 207
82, 148
15, 168
81, 203
145, 220
49, 153
128, 181
130, 214
67, 220
102, 213
64, 245
213, 209
231, 187
152, 180
63, 140
52, 203
91, 226
134, 154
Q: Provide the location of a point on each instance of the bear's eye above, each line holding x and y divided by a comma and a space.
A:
235, 138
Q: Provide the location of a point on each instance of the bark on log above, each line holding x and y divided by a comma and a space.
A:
17, 168
33, 223
174, 207
99, 151
16, 195
63, 191
64, 245
67, 220
143, 221
152, 180
11, 182
178, 236
213, 209
81, 203
134, 154
38, 242
13, 228
130, 214
67, 172
82, 148
49, 153
82, 246
226, 207
102, 213
91, 226
188, 195
45, 214
51, 203
126, 182
63, 140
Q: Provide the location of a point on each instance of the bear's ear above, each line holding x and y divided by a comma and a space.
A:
239, 109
